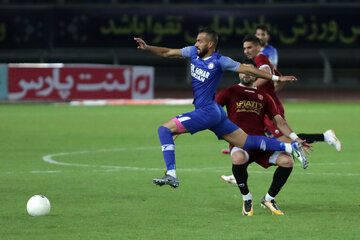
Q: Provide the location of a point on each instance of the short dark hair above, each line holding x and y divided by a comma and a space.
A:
251, 38
248, 61
214, 36
262, 27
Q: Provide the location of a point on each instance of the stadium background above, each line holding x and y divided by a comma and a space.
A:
107, 156
318, 40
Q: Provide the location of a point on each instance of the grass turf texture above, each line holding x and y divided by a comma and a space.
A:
109, 194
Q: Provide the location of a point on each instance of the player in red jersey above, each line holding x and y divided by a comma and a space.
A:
247, 106
252, 49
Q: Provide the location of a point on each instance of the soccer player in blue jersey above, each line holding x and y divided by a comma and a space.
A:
262, 33
207, 68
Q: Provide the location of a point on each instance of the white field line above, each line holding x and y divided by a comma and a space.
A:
108, 168
49, 159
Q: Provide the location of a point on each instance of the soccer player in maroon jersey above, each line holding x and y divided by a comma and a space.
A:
252, 47
262, 32
246, 107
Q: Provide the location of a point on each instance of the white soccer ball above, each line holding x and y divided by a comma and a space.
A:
38, 205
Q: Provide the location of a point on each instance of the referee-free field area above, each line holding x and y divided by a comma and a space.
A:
96, 164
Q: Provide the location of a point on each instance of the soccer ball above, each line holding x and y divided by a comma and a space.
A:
38, 205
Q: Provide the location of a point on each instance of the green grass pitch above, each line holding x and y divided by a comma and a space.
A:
104, 159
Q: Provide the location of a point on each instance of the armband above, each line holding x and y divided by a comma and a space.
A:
293, 136
275, 78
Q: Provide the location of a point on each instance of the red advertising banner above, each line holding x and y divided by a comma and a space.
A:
77, 82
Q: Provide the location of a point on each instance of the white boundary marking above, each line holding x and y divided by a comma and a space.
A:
49, 159
108, 168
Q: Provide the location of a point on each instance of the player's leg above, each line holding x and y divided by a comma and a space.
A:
298, 155
281, 174
166, 132
192, 122
328, 136
239, 168
273, 132
312, 137
234, 135
240, 139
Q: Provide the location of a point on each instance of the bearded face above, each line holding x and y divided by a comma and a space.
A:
263, 36
246, 80
202, 51
202, 45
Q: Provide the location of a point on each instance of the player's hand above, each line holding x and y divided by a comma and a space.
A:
306, 146
287, 79
142, 43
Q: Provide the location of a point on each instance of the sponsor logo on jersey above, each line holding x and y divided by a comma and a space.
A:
261, 97
199, 73
249, 106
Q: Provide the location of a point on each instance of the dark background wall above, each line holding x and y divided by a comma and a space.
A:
317, 41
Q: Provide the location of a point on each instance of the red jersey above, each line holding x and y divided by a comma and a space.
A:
247, 107
261, 62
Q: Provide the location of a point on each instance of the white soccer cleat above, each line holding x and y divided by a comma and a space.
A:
298, 154
229, 179
331, 139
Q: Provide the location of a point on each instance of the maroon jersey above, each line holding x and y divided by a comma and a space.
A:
247, 107
261, 62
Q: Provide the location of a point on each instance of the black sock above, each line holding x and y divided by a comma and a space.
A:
281, 174
310, 138
241, 176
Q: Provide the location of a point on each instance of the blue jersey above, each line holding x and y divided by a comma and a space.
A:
271, 53
206, 74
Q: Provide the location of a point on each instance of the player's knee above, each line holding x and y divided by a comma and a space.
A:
285, 160
164, 131
238, 158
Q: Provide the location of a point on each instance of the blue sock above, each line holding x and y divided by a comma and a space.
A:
263, 143
167, 147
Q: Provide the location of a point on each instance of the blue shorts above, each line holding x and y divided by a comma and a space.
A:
212, 117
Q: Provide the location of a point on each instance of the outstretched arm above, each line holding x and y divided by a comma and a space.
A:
288, 132
159, 51
283, 126
278, 86
262, 81
250, 70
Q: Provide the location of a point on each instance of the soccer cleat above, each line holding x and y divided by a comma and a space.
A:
167, 180
247, 208
225, 151
299, 154
229, 179
272, 206
331, 139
